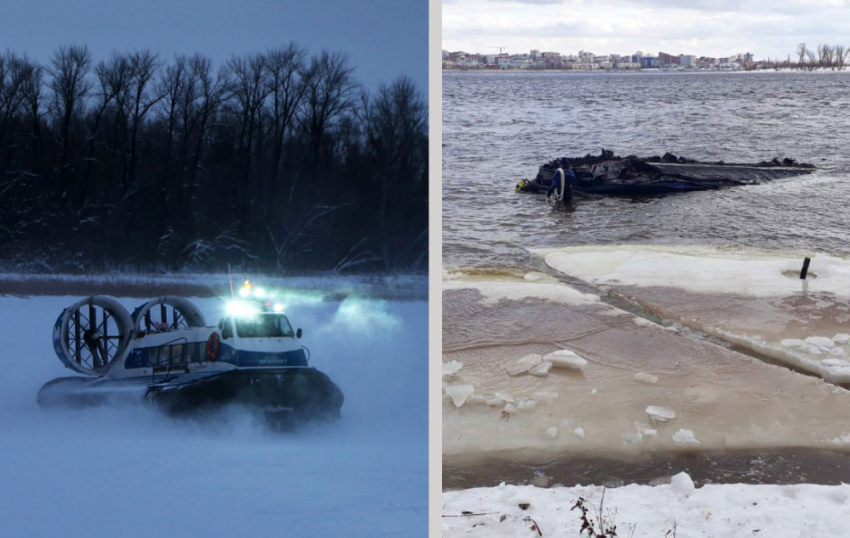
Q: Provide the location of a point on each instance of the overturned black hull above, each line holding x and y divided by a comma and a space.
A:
298, 393
608, 175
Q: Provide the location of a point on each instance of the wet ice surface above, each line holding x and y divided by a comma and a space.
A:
751, 298
133, 472
544, 469
721, 399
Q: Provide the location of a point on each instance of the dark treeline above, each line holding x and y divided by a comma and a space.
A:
275, 161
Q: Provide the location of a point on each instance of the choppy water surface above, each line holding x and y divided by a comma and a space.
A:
498, 128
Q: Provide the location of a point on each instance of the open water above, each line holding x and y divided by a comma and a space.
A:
499, 127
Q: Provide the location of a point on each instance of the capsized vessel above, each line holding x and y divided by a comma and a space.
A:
607, 174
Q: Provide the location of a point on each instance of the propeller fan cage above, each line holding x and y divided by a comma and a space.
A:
91, 333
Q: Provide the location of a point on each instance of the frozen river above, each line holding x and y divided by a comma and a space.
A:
134, 472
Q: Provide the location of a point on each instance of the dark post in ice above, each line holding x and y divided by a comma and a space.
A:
805, 268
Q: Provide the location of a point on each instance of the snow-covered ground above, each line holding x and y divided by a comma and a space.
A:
676, 509
133, 472
751, 298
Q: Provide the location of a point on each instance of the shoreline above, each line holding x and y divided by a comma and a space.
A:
741, 466
140, 285
642, 71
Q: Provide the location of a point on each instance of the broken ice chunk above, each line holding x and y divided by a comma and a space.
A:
685, 437
644, 377
527, 403
649, 432
541, 370
459, 393
451, 368
821, 341
841, 338
506, 396
565, 358
524, 364
496, 402
792, 342
660, 414
579, 432
552, 432
511, 409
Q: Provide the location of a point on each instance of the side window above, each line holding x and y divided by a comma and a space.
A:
227, 330
158, 355
176, 354
192, 353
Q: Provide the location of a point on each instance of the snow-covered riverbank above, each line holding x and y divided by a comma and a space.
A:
676, 509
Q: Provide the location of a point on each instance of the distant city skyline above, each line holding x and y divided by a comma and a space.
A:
703, 27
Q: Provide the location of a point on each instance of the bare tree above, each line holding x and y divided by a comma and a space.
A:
396, 125
14, 72
174, 89
840, 56
825, 56
68, 84
113, 77
33, 97
329, 92
802, 53
286, 89
249, 88
811, 60
212, 92
142, 96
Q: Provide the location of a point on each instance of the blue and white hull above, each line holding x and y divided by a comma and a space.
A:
182, 367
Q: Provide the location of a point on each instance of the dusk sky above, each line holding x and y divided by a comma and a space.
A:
767, 28
383, 38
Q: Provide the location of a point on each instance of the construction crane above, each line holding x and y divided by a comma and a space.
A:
501, 48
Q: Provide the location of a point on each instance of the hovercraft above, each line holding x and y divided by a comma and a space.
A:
165, 355
609, 175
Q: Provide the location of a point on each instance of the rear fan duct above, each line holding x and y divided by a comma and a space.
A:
167, 314
91, 333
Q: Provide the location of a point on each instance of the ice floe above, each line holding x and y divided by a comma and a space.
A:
564, 358
459, 393
542, 369
494, 291
660, 414
524, 364
644, 377
750, 298
685, 438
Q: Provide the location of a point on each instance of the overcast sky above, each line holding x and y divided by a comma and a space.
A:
767, 28
383, 38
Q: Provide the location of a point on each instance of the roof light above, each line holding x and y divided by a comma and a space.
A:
239, 308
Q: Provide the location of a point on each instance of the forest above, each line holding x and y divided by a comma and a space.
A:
277, 161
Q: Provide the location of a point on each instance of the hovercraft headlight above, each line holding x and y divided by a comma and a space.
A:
239, 308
